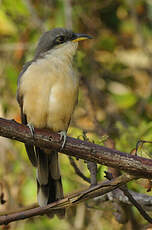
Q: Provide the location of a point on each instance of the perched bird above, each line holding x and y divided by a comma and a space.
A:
47, 94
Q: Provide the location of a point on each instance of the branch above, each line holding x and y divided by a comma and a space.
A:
135, 165
131, 199
81, 149
117, 195
69, 201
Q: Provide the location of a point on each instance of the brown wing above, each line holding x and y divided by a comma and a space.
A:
29, 148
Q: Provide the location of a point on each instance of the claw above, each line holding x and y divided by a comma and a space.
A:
31, 127
63, 136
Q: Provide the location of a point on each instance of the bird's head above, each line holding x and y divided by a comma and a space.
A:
59, 40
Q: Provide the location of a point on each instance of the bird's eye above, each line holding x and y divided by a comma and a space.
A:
60, 39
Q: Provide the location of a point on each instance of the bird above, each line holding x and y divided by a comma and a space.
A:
47, 93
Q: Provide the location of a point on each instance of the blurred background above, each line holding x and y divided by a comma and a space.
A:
115, 97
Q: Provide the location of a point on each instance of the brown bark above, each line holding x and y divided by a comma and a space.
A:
135, 165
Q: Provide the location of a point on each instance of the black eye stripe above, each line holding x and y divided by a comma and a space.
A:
63, 38
60, 39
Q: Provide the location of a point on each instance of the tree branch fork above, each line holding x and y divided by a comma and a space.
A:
135, 166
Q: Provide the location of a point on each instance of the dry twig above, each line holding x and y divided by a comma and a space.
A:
69, 201
132, 200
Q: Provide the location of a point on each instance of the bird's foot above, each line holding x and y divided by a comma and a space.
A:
63, 136
31, 127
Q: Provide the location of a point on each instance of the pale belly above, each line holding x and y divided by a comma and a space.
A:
61, 104
48, 102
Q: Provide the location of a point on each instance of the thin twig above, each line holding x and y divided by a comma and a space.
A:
78, 171
132, 200
69, 201
92, 166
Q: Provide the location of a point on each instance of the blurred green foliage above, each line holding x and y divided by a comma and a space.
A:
115, 98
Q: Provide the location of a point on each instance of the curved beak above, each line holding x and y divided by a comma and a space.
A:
80, 37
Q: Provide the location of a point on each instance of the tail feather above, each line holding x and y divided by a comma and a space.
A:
42, 167
49, 182
42, 194
54, 166
31, 154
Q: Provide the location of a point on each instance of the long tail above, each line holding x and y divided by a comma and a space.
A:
49, 184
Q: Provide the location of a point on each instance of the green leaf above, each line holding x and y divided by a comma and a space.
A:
7, 27
125, 100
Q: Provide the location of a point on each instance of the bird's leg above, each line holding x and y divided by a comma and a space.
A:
31, 127
63, 136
